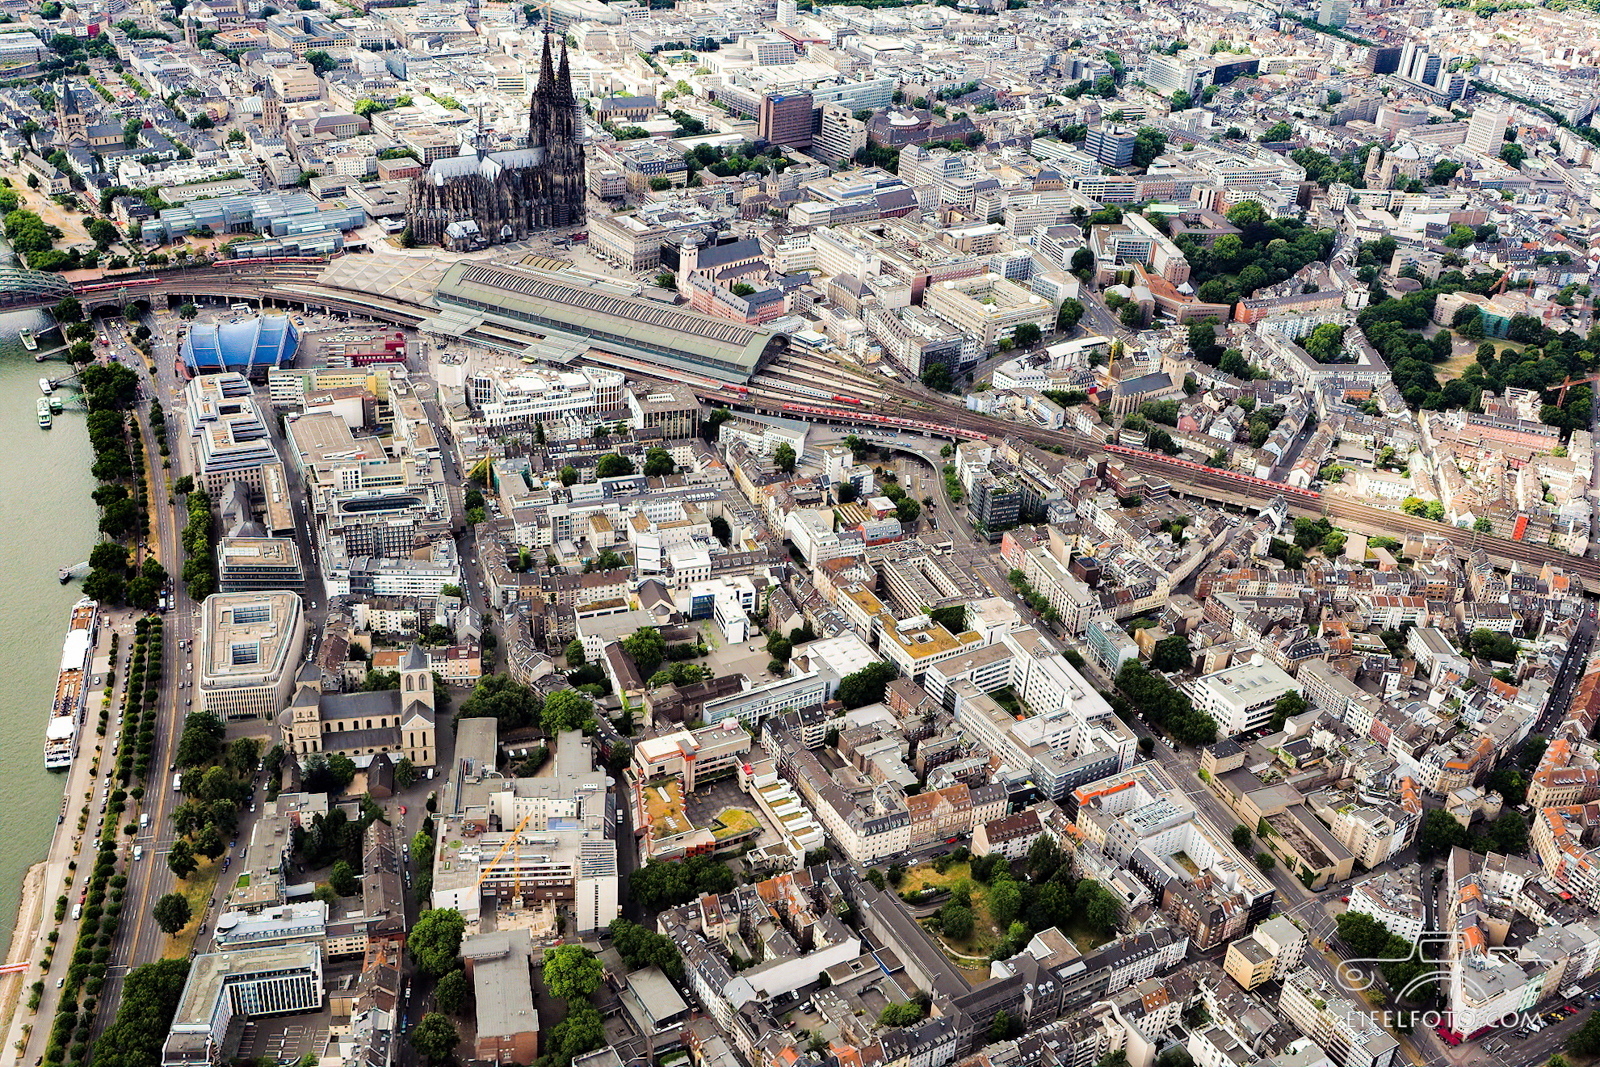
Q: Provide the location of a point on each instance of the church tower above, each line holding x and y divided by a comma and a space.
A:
72, 128
271, 109
1372, 175
564, 163
416, 708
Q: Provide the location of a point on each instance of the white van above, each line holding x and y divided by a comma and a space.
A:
77, 912
144, 820
138, 852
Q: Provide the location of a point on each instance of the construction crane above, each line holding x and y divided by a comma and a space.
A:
1561, 394
1500, 286
498, 856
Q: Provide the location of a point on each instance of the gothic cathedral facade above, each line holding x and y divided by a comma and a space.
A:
482, 198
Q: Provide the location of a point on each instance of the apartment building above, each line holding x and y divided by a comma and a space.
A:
868, 824
1275, 949
1142, 820
1344, 1028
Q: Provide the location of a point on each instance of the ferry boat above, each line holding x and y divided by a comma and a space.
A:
29, 342
46, 386
44, 413
61, 732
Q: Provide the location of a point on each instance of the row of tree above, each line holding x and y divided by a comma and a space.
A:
199, 565
1164, 707
659, 885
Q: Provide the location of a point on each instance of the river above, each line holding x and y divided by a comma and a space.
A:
47, 521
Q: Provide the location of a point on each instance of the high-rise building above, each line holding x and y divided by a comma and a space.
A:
1109, 145
785, 118
841, 136
1419, 65
1383, 60
1169, 74
1333, 12
1487, 131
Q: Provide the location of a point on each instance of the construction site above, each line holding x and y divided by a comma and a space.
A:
544, 847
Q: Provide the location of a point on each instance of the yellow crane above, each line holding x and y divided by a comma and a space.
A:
498, 856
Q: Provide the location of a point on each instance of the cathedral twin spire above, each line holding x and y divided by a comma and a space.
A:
552, 96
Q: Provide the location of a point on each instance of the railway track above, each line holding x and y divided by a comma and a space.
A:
894, 403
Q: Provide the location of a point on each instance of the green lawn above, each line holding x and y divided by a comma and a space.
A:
196, 890
985, 933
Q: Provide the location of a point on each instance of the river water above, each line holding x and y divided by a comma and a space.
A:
47, 521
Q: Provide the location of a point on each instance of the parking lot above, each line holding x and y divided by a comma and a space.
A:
285, 1039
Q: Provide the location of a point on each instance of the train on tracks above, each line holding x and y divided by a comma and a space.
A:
1245, 481
875, 419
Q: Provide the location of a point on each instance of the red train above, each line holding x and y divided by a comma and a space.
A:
848, 400
230, 266
1262, 483
888, 420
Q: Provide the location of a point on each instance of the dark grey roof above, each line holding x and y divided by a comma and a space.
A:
1145, 383
377, 737
337, 706
732, 252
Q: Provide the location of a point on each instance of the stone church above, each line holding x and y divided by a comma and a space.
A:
399, 722
481, 198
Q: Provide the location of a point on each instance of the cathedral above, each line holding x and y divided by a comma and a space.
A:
481, 197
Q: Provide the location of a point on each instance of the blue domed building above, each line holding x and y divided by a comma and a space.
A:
248, 347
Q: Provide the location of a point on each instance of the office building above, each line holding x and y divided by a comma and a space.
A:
1486, 131
1335, 13
227, 434
511, 398
249, 651
256, 564
753, 704
1174, 74
672, 409
500, 967
1110, 145
840, 135
225, 990
786, 118
1242, 697
698, 757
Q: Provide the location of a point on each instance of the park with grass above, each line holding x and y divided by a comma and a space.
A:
985, 908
